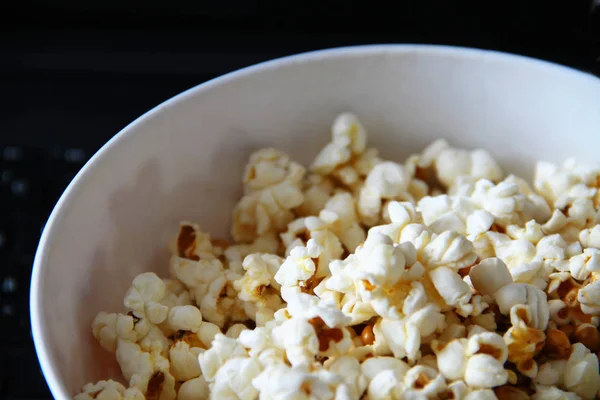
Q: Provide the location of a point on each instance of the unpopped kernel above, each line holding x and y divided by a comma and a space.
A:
435, 277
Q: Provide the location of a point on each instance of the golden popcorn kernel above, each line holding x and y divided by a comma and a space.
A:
589, 336
367, 336
557, 344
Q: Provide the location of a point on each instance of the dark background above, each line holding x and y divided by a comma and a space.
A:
74, 72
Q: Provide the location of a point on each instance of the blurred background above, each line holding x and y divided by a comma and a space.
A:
74, 72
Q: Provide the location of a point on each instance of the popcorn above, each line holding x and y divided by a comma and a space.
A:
266, 211
222, 349
449, 249
387, 180
185, 318
423, 381
144, 296
349, 138
463, 272
581, 372
450, 164
193, 389
108, 390
184, 359
193, 244
351, 371
283, 382
268, 167
489, 276
529, 296
339, 213
454, 213
104, 329
147, 372
589, 298
234, 379
582, 265
553, 393
317, 190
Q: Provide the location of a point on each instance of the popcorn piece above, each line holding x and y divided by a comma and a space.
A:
266, 211
588, 335
489, 276
387, 180
193, 389
185, 318
590, 238
104, 329
102, 390
299, 266
144, 296
507, 204
523, 344
557, 344
450, 164
581, 373
350, 370
589, 298
235, 330
268, 167
424, 381
582, 265
531, 297
193, 244
258, 282
553, 393
484, 371
283, 382
317, 190
221, 350
234, 379
452, 288
404, 336
339, 213
452, 359
184, 358
147, 372
349, 138
401, 214
449, 249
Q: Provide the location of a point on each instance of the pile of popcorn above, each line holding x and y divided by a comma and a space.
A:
436, 278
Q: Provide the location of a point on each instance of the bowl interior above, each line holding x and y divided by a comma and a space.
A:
184, 159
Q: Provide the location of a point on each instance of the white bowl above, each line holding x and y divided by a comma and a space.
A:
184, 159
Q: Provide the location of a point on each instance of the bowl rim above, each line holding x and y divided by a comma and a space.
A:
38, 330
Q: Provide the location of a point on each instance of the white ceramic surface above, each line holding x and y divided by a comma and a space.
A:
184, 159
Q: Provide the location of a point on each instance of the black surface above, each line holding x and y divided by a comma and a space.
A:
73, 73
